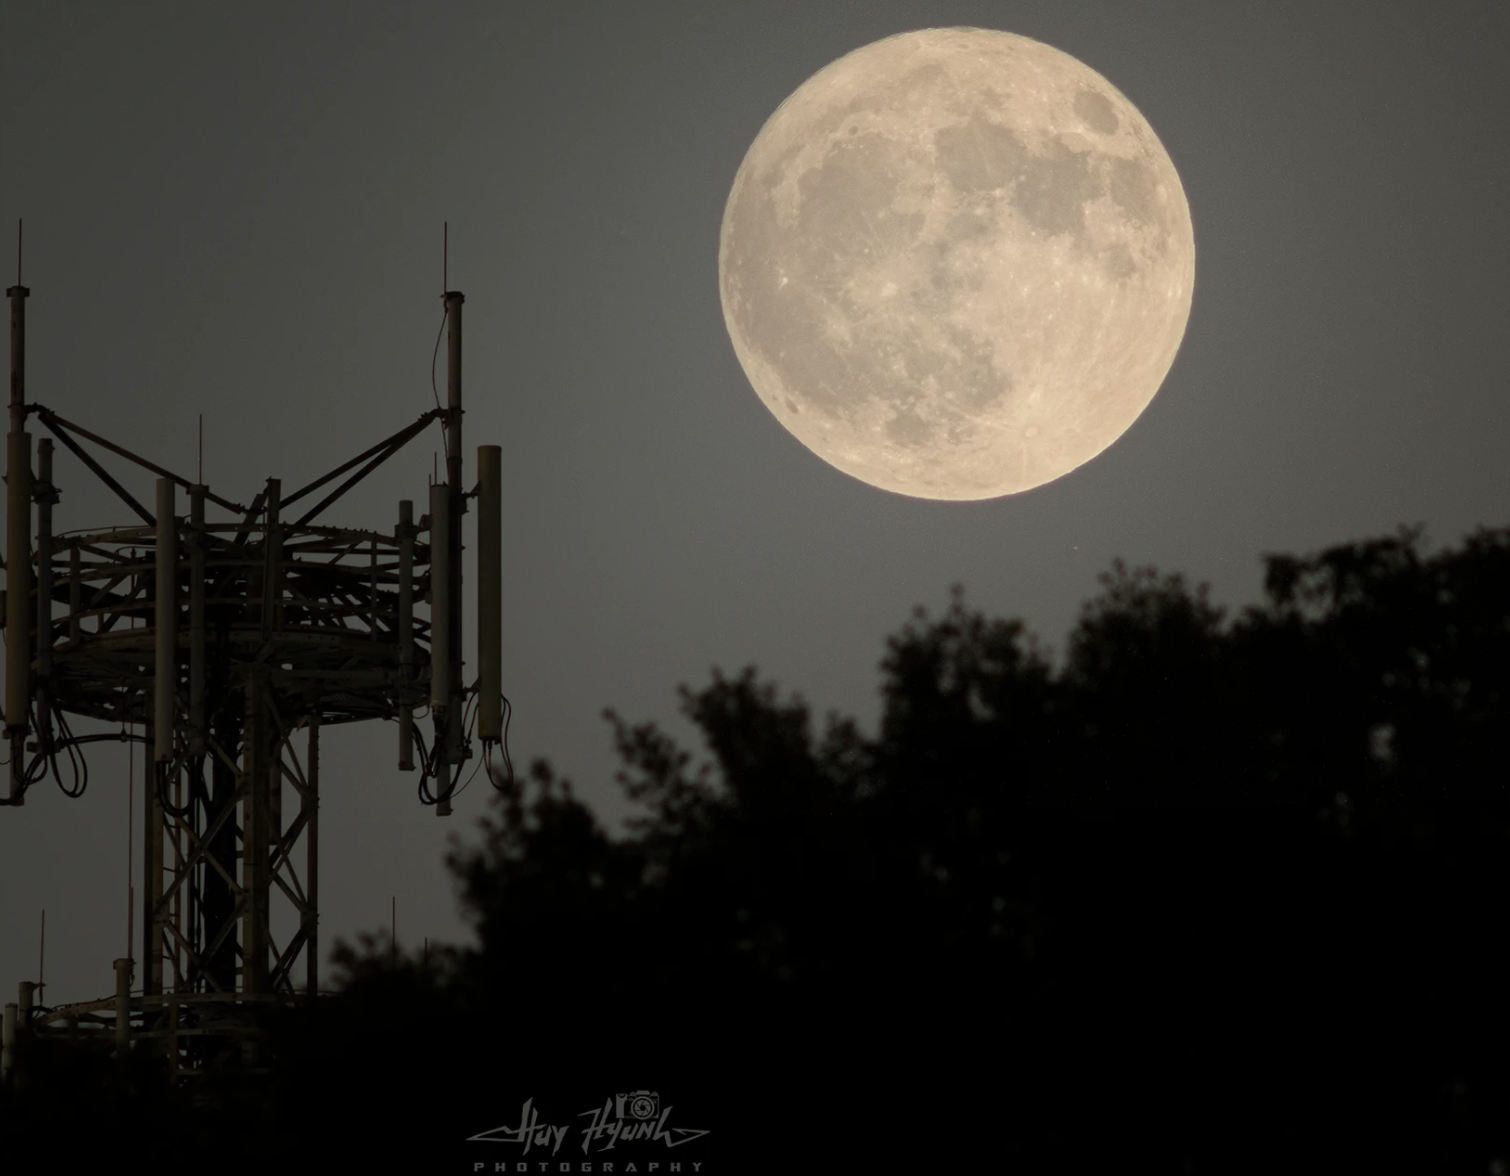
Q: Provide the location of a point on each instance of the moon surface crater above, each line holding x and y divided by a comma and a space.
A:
956, 263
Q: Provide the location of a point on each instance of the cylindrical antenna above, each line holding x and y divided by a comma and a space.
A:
312, 858
166, 636
405, 537
130, 848
18, 585
489, 592
18, 490
440, 598
45, 496
455, 735
198, 657
18, 295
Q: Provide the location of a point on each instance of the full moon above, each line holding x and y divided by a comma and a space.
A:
956, 263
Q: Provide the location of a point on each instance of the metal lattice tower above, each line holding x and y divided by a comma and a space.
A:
231, 642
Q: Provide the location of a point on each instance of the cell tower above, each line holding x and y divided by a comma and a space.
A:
214, 643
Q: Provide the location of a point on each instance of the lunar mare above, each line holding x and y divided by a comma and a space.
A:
956, 263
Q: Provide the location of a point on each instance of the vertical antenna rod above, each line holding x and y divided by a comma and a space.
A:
198, 654
489, 593
166, 634
45, 496
18, 544
130, 849
441, 623
312, 860
455, 734
405, 536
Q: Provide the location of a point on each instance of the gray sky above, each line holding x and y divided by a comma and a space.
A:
236, 210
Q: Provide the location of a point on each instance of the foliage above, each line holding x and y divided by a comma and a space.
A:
1215, 884
1220, 893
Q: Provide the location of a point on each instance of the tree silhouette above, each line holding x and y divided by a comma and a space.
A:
1211, 894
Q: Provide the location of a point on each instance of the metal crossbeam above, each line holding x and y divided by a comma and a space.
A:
99, 471
53, 421
398, 439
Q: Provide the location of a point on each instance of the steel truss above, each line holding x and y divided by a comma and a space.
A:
231, 643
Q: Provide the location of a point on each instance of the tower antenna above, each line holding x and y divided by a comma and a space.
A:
219, 845
130, 851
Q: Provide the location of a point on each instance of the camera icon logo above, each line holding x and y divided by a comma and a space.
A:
638, 1104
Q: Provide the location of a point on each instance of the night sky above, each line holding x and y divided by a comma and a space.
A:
236, 210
